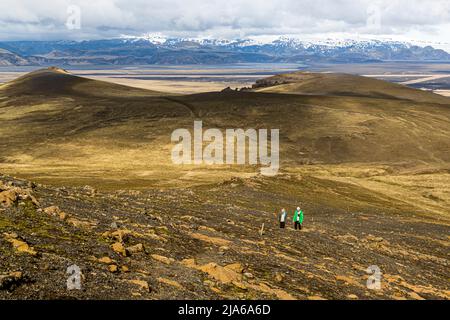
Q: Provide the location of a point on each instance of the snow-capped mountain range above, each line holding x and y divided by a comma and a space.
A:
158, 49
159, 39
294, 42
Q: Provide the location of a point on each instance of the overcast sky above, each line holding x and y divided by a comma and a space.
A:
413, 20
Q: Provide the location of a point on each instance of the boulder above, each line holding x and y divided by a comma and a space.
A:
119, 248
190, 263
55, 211
240, 285
9, 197
113, 268
141, 284
227, 90
162, 259
373, 238
221, 274
121, 235
11, 280
237, 267
169, 282
248, 275
18, 244
81, 224
135, 249
279, 277
211, 240
106, 260
90, 190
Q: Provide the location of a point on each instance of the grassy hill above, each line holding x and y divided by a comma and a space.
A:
83, 128
56, 81
338, 84
369, 165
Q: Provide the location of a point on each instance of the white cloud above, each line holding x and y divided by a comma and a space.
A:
45, 19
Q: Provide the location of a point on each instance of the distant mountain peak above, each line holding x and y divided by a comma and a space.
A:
152, 38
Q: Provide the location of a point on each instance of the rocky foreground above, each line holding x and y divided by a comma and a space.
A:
208, 242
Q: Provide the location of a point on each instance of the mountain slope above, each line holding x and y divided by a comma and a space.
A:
343, 85
76, 125
370, 171
204, 243
8, 58
158, 50
56, 81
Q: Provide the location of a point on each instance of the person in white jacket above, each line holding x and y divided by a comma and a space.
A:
282, 218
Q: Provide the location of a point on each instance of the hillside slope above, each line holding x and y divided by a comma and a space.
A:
371, 172
205, 243
57, 81
74, 125
8, 58
338, 84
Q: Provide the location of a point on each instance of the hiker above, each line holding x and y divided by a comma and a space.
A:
298, 219
282, 218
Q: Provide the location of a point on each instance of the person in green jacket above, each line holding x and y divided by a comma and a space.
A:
298, 219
